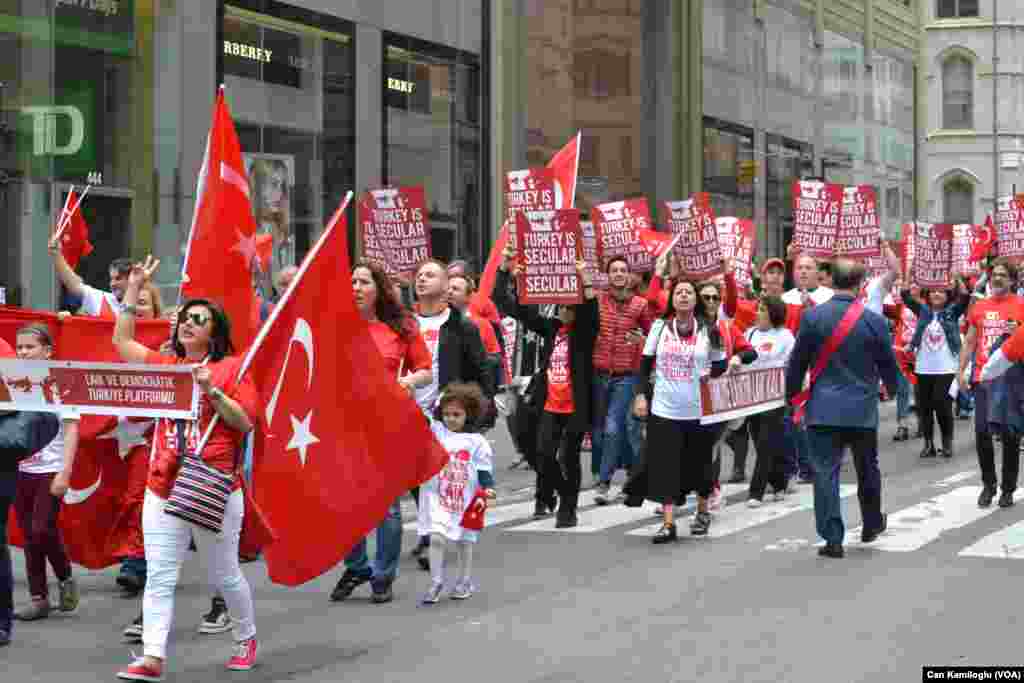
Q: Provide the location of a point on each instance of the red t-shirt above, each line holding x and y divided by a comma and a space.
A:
5, 350
225, 443
410, 354
482, 306
989, 318
560, 377
487, 335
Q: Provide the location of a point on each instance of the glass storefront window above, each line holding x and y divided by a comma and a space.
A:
787, 160
432, 137
291, 91
729, 168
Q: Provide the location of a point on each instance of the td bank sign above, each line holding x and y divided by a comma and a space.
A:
47, 121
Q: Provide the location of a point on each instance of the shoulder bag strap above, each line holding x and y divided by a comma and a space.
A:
832, 344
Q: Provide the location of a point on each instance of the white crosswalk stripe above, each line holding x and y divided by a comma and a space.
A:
1006, 544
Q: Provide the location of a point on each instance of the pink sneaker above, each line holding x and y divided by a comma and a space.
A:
139, 671
244, 658
715, 499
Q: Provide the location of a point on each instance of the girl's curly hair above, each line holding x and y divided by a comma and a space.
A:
469, 395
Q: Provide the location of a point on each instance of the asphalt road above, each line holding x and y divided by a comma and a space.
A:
753, 602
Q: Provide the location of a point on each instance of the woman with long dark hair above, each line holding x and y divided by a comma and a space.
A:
936, 344
683, 346
227, 410
407, 358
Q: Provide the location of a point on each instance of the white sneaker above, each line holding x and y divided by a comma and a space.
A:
779, 496
754, 503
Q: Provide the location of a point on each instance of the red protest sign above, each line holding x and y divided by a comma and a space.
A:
933, 255
816, 210
1009, 229
530, 189
859, 232
963, 245
551, 244
592, 254
128, 390
698, 249
737, 238
393, 228
616, 225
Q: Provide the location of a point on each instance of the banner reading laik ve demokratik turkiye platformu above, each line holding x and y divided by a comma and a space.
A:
393, 228
550, 244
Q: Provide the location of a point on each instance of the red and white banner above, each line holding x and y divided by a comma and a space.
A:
1009, 224
737, 238
393, 228
122, 389
593, 256
551, 244
859, 232
698, 248
742, 393
617, 225
817, 207
963, 247
933, 255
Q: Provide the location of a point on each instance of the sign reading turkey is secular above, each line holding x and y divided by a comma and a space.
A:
617, 225
858, 234
550, 244
394, 228
933, 255
698, 248
817, 207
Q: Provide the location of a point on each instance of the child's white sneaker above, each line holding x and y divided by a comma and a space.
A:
463, 590
433, 594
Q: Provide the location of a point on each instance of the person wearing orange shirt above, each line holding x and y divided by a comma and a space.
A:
988, 320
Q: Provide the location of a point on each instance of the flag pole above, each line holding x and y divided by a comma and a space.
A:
64, 211
66, 221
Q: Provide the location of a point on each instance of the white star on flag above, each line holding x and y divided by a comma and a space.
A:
129, 434
302, 437
246, 246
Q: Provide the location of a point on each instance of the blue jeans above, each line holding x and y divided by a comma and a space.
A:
827, 444
902, 397
610, 435
389, 548
798, 460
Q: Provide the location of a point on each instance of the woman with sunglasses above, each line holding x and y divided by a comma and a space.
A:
227, 411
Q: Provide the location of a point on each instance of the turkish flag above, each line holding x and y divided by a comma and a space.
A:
94, 506
982, 240
656, 243
75, 244
341, 440
566, 165
222, 245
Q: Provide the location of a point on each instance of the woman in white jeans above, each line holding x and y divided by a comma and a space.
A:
202, 338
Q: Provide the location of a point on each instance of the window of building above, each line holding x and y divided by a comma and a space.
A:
958, 200
957, 93
953, 9
728, 161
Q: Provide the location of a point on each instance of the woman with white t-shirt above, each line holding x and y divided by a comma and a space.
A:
773, 343
42, 481
682, 346
937, 344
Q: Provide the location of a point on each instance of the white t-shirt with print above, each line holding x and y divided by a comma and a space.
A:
446, 497
93, 300
50, 460
430, 330
819, 296
679, 364
934, 357
773, 346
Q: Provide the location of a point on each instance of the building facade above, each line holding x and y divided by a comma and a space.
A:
972, 88
735, 97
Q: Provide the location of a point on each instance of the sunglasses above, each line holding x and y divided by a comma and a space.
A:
710, 297
197, 319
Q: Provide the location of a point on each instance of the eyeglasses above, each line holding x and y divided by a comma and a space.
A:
710, 297
197, 319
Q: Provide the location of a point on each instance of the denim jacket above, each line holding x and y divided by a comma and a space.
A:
949, 320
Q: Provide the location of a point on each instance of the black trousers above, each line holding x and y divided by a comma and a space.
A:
1010, 439
933, 402
739, 442
6, 568
559, 467
768, 431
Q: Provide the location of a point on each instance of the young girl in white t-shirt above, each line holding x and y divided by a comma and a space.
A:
453, 501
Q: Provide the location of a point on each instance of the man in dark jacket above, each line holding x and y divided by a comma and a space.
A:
843, 406
561, 391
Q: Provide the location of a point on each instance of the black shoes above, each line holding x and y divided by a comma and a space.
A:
902, 434
987, 494
700, 524
665, 534
868, 536
737, 478
382, 592
1006, 499
419, 552
130, 581
928, 451
5, 637
833, 550
348, 582
567, 520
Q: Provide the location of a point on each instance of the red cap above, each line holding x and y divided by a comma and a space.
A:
773, 262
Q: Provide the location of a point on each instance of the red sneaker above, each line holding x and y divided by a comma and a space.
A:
139, 671
244, 658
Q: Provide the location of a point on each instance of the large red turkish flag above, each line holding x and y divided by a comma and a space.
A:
95, 500
75, 244
341, 440
566, 166
222, 244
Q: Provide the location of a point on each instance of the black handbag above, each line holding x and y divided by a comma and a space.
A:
24, 433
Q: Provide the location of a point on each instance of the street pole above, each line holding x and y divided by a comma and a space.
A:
995, 104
